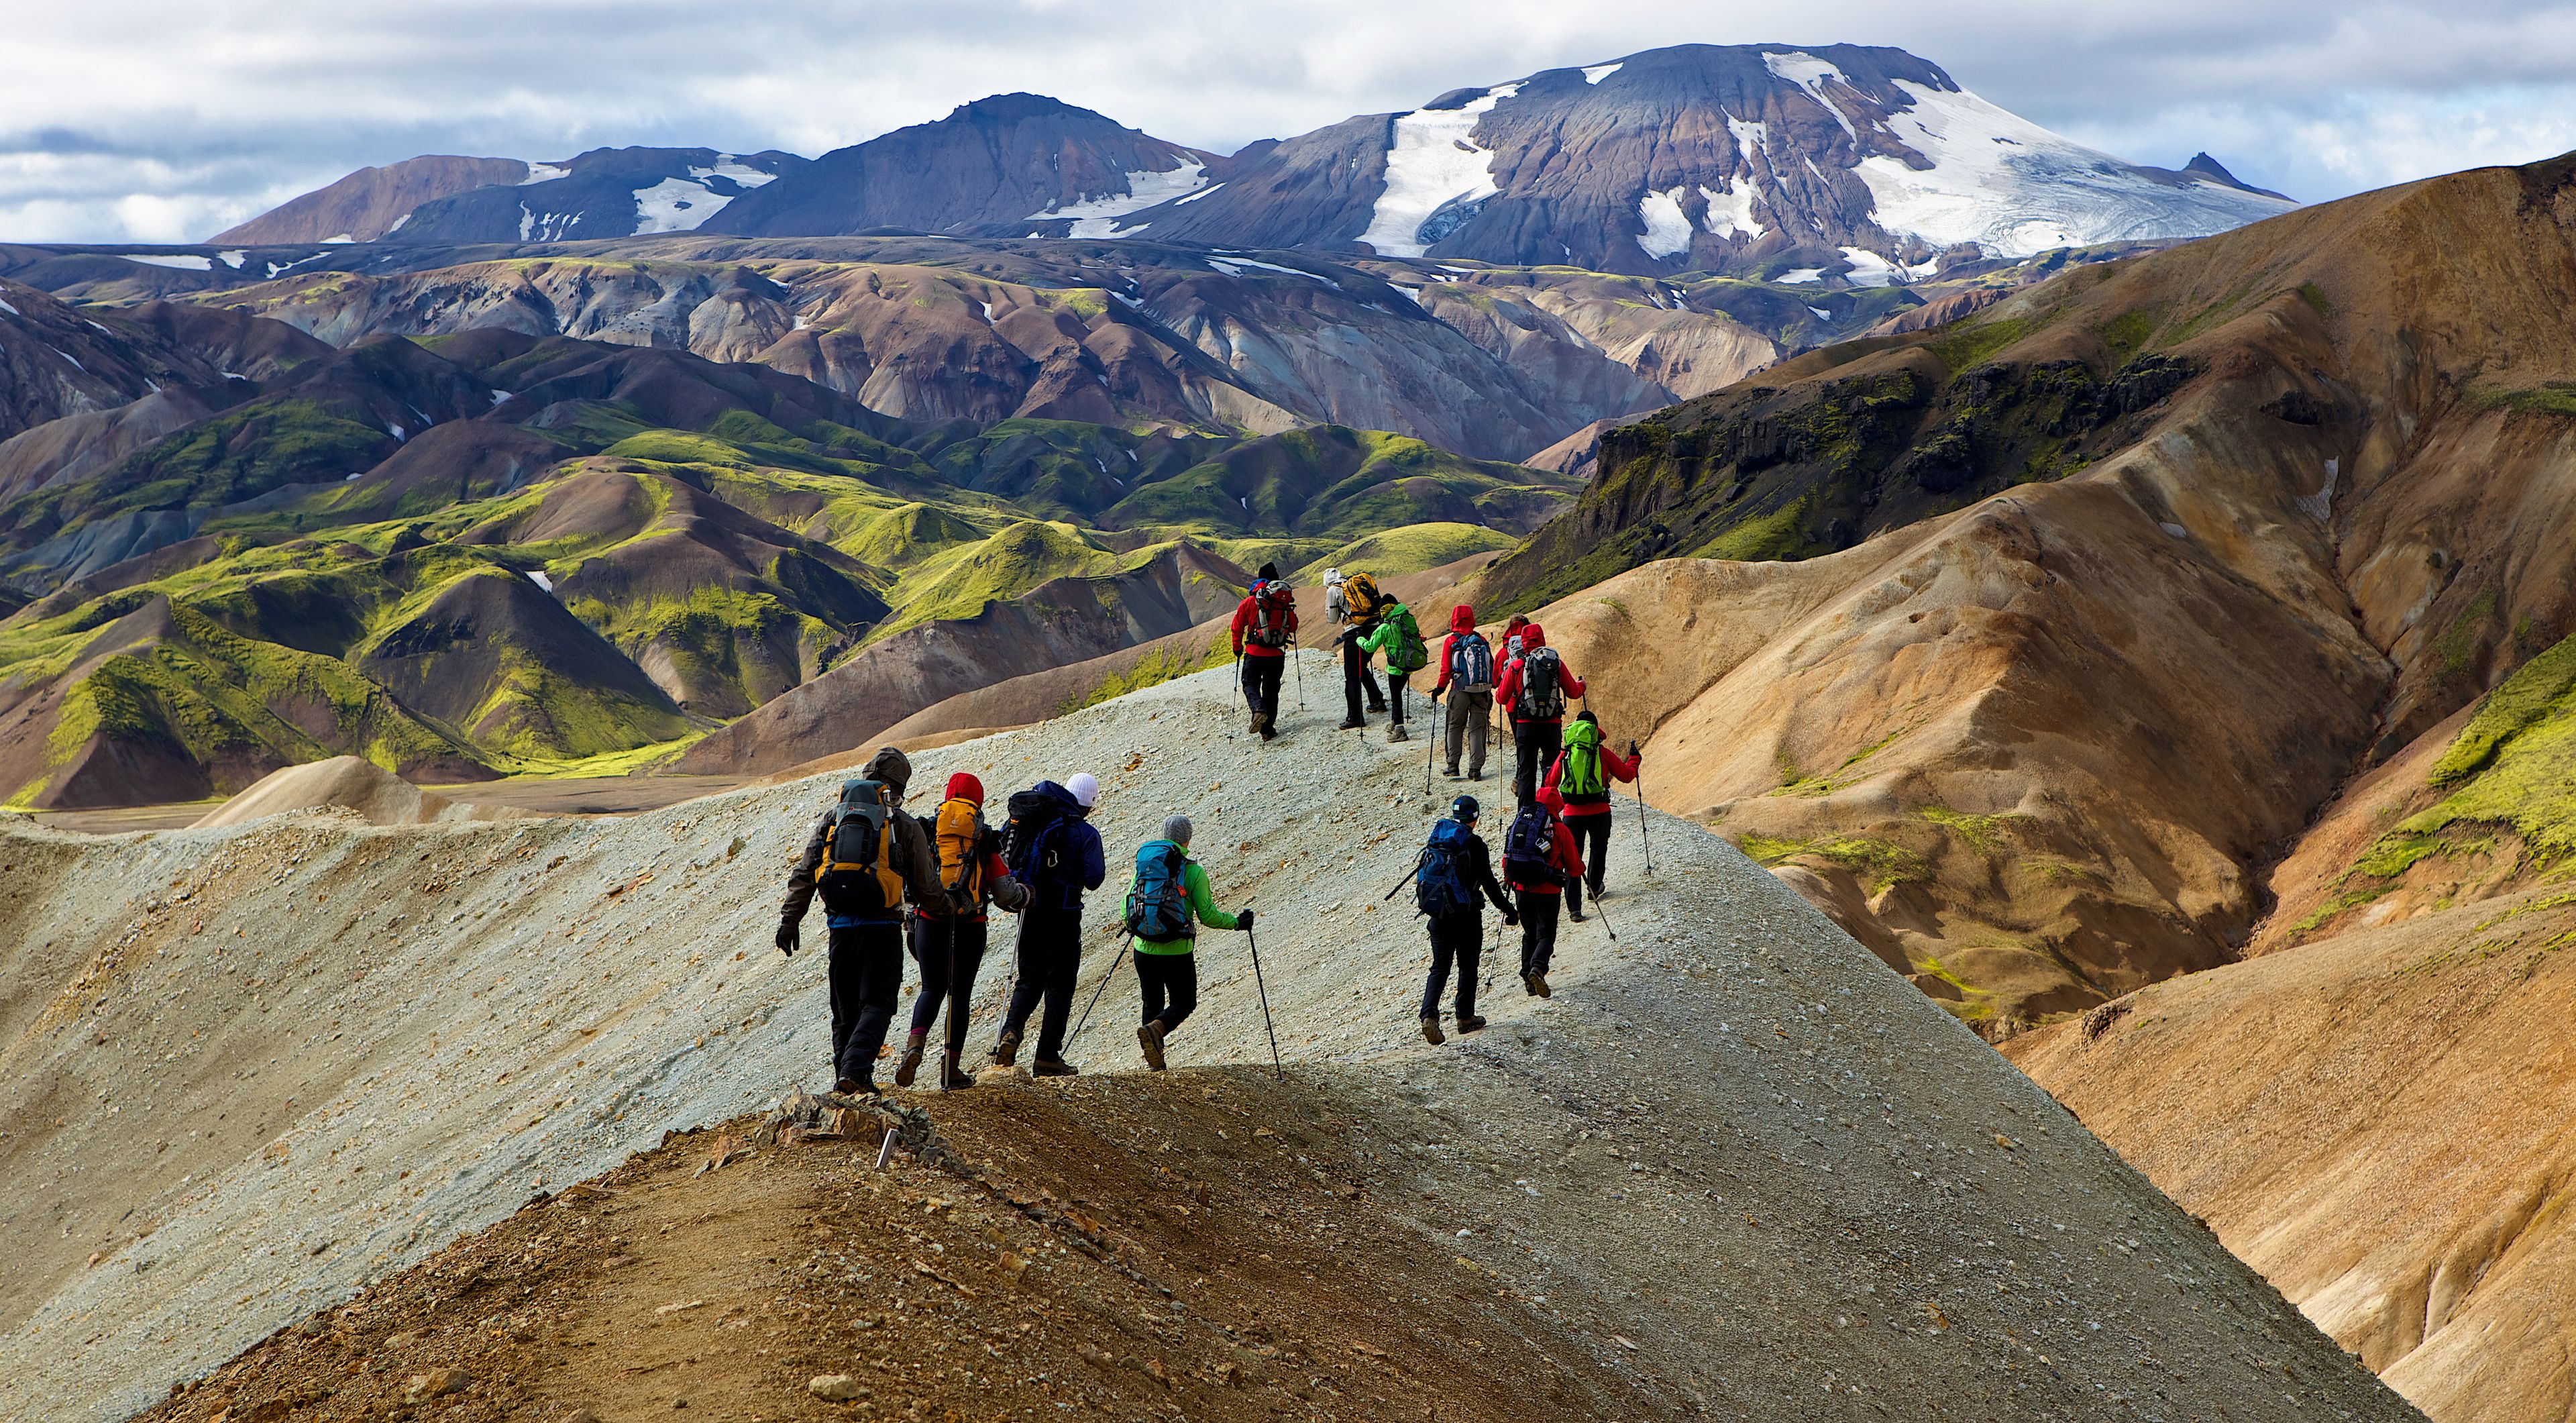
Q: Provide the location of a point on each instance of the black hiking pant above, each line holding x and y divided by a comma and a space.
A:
950, 951
1536, 744
1395, 697
1050, 954
1592, 846
1458, 939
1356, 677
1538, 929
1171, 983
1261, 684
866, 973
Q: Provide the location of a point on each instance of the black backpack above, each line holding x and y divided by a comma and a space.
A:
856, 875
1542, 696
1027, 840
1471, 660
1526, 846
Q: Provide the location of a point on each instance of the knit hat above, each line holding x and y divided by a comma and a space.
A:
1085, 789
962, 785
1270, 573
1463, 809
1176, 828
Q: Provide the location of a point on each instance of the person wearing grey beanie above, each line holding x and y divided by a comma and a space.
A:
1166, 902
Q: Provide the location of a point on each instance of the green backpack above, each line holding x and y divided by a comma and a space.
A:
1408, 654
1582, 773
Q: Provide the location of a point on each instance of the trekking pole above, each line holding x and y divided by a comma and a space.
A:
1399, 884
1103, 988
1646, 839
1430, 749
1299, 653
1264, 988
1605, 921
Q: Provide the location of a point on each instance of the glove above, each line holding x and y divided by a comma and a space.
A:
788, 937
1512, 917
960, 903
1632, 750
1243, 921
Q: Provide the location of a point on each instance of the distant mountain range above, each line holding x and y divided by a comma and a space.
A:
1852, 164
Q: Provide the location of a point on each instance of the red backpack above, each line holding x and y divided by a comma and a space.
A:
1272, 605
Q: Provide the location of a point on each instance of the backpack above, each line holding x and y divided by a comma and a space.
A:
960, 836
1158, 908
1440, 887
1271, 605
1542, 696
1359, 597
1527, 844
856, 875
1580, 772
1407, 653
1471, 660
1027, 841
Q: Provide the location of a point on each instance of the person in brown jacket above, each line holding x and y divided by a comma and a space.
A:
863, 906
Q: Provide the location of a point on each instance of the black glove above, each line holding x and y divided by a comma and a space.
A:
787, 937
1632, 749
960, 902
1512, 917
1243, 921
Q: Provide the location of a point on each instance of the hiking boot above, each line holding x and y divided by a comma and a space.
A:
1577, 917
1537, 985
1150, 1038
864, 1087
1053, 1067
1477, 774
1450, 772
1468, 1023
1256, 721
1006, 1048
951, 1078
1431, 1029
1268, 732
1396, 733
910, 1067
1350, 723
845, 1087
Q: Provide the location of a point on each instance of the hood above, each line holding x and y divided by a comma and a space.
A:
964, 786
1057, 793
1555, 803
1462, 619
892, 767
1532, 635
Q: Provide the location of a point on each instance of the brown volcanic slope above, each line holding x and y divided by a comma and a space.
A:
2303, 490
370, 202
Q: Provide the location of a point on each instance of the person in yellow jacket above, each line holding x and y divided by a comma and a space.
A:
1166, 902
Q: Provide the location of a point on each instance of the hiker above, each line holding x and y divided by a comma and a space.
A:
1167, 900
1399, 637
1052, 848
1542, 867
1581, 777
1536, 687
1354, 603
1466, 665
863, 857
1265, 626
949, 932
1454, 868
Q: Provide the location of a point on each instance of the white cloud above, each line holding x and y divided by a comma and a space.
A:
147, 120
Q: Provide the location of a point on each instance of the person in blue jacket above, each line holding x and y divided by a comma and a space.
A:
1059, 858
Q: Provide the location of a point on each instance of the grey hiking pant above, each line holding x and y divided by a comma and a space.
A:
1469, 709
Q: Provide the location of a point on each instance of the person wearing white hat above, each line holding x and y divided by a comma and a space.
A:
1052, 848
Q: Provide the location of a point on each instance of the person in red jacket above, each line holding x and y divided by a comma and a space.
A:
1536, 689
948, 940
1581, 778
1466, 663
1265, 627
1541, 865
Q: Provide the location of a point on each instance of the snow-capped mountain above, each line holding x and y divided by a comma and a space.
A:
1012, 165
607, 192
1865, 163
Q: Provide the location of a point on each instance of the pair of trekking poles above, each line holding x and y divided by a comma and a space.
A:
1267, 1025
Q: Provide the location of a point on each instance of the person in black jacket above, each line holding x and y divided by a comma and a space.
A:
866, 963
1460, 938
1062, 862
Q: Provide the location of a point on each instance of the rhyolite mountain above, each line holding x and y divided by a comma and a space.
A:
1840, 165
607, 192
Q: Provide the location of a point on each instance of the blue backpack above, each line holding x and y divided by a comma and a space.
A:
1440, 887
1158, 908
1471, 660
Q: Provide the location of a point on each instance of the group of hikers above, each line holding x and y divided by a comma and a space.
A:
890, 880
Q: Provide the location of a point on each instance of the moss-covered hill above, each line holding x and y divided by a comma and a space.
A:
492, 553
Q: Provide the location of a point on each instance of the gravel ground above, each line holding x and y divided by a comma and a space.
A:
251, 1070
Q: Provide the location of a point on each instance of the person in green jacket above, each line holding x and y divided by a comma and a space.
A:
1166, 902
1400, 638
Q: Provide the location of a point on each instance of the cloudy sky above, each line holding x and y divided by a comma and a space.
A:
141, 120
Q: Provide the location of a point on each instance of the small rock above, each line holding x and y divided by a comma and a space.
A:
581, 1415
835, 1388
437, 1383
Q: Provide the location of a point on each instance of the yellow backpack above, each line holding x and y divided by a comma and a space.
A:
1359, 594
960, 835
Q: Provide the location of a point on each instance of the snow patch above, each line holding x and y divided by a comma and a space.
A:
1433, 162
676, 205
394, 430
1821, 313
237, 256
182, 261
500, 395
1201, 193
538, 577
1595, 73
543, 173
13, 311
1668, 232
398, 224
340, 241
1868, 269
988, 314
1234, 267
1810, 73
1751, 136
2177, 530
1097, 217
1731, 212
2014, 189
1799, 276
728, 166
